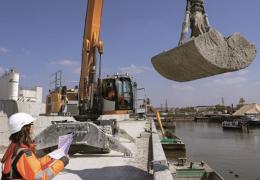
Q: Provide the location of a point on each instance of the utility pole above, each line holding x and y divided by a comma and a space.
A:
166, 105
57, 76
223, 101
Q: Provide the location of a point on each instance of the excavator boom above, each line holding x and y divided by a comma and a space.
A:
91, 44
93, 90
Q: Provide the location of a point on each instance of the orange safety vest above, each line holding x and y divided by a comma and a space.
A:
25, 165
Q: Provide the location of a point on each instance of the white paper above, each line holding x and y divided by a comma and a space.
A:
63, 147
57, 154
65, 142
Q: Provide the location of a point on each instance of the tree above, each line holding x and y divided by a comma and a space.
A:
241, 101
220, 108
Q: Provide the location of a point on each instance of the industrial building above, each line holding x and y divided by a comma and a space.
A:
14, 99
10, 89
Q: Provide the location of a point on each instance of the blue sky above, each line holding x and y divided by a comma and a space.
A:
40, 37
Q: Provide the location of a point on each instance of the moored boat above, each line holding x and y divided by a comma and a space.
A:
172, 143
254, 121
234, 124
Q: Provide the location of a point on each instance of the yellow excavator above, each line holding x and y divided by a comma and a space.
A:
95, 96
99, 102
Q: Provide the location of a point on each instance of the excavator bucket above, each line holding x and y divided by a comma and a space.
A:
206, 55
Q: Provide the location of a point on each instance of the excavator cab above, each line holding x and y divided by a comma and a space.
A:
117, 94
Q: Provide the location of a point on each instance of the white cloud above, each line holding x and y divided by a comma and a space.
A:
67, 62
183, 87
64, 62
230, 81
3, 50
133, 70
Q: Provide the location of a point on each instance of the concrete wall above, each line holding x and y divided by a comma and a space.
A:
31, 108
118, 117
39, 125
10, 107
32, 95
159, 164
38, 94
4, 134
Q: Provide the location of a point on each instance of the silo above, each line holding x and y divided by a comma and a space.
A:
38, 94
13, 85
2, 87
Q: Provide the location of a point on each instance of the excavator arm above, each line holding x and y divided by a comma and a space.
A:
91, 46
92, 89
196, 18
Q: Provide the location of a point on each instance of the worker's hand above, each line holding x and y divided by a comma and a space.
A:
65, 160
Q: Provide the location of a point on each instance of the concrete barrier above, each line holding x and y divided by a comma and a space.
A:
159, 164
32, 108
39, 125
4, 133
10, 107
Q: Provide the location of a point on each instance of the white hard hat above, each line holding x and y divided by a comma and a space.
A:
19, 120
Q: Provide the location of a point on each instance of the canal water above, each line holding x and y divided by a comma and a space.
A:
233, 154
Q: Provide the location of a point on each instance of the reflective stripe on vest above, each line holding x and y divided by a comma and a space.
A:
15, 159
40, 174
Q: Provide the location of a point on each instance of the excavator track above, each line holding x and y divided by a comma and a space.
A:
86, 135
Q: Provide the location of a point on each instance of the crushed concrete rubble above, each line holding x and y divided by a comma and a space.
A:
206, 55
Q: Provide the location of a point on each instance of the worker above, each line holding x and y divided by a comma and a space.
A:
20, 160
111, 93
